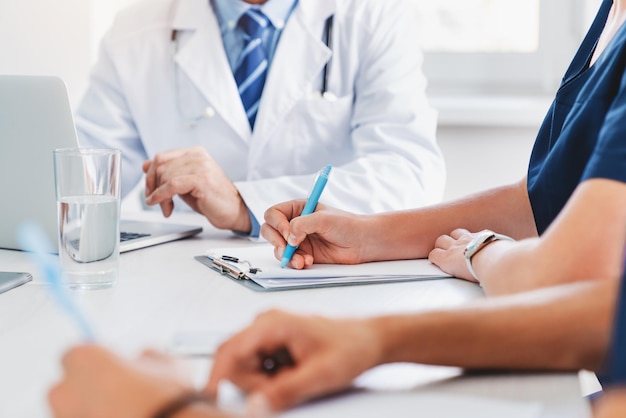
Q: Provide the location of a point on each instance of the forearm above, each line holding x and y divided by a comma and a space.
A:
412, 234
586, 241
612, 404
505, 267
560, 328
201, 410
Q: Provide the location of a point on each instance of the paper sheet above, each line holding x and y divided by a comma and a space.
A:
270, 275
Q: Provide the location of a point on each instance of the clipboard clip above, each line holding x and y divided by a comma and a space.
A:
232, 266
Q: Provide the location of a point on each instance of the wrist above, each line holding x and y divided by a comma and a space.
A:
372, 234
385, 332
242, 222
477, 244
187, 405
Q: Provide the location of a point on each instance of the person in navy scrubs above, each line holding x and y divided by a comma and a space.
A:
612, 403
573, 196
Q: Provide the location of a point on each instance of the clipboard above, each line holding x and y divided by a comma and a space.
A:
256, 268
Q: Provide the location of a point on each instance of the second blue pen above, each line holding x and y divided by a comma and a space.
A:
309, 207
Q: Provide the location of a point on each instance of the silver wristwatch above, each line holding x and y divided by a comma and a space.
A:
478, 243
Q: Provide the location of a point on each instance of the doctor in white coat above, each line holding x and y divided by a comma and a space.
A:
348, 93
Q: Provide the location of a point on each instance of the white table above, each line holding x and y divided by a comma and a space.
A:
162, 290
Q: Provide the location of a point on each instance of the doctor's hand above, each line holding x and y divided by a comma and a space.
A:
327, 235
97, 383
194, 175
327, 355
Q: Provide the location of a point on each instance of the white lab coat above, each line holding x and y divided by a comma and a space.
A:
379, 134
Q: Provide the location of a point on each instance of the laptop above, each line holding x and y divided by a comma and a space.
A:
35, 119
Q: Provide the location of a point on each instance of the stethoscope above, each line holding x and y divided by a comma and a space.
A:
209, 111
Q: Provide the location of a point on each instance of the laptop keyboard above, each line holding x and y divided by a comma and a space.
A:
124, 236
127, 236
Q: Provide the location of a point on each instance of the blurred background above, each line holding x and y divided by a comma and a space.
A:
493, 67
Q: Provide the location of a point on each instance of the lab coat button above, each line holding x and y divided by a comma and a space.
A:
209, 112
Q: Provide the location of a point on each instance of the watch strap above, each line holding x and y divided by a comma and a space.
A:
478, 243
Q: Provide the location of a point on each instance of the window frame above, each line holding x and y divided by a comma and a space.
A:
534, 73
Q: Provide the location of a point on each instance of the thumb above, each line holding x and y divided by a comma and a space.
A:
306, 225
296, 385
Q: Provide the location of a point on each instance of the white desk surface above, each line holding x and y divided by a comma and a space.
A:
162, 290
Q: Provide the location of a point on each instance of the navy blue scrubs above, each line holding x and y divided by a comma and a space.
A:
584, 133
614, 372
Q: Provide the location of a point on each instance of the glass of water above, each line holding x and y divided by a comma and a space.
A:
88, 206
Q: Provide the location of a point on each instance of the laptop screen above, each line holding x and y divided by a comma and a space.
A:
35, 119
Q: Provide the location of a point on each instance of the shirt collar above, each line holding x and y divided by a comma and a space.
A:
229, 11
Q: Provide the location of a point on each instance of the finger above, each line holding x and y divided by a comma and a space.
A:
308, 260
167, 207
299, 260
177, 186
151, 354
275, 238
237, 359
77, 356
444, 242
304, 382
436, 256
459, 232
152, 167
61, 402
278, 216
146, 165
228, 365
151, 180
303, 226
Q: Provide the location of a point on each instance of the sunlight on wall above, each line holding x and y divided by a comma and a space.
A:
479, 25
46, 38
102, 15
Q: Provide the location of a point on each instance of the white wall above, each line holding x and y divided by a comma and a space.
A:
46, 37
102, 14
479, 158
54, 37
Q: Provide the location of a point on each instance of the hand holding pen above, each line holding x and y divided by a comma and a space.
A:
325, 355
309, 207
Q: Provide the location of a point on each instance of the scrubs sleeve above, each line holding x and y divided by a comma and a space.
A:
609, 157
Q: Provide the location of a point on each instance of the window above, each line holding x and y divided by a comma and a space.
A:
500, 46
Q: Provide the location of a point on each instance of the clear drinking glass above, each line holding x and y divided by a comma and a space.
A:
88, 207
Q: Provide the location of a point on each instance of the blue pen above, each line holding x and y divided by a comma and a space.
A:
309, 207
33, 239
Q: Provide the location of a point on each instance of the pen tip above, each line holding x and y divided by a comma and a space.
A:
284, 262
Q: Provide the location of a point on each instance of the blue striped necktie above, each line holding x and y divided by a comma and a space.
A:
251, 69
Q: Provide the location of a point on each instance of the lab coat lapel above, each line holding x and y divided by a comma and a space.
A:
291, 73
203, 59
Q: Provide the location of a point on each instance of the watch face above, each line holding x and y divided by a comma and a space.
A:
478, 242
